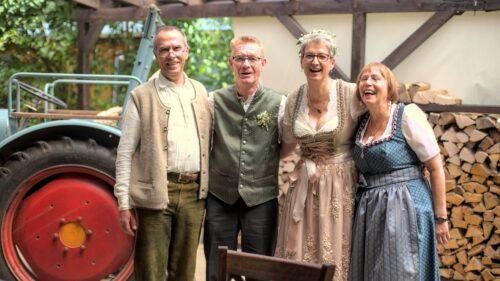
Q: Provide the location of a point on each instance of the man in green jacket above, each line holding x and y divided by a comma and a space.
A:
244, 160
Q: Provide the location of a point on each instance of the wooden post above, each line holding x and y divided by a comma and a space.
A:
88, 33
358, 44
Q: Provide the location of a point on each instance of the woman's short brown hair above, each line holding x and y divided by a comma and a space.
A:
392, 84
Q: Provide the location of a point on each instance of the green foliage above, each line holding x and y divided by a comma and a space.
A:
35, 35
208, 40
209, 50
39, 36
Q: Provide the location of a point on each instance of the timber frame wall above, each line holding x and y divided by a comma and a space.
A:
91, 15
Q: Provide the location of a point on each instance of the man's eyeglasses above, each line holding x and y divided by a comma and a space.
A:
176, 50
241, 60
321, 57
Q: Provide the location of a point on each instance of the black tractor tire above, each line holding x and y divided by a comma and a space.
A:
43, 155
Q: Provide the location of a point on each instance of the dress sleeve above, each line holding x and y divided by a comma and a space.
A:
281, 113
287, 122
418, 133
356, 107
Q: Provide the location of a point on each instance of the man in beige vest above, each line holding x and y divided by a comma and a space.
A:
162, 165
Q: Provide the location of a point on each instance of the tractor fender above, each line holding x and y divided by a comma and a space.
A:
77, 129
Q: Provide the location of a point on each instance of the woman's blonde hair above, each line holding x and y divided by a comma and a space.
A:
392, 83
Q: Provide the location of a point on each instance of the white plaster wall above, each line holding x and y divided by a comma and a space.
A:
463, 56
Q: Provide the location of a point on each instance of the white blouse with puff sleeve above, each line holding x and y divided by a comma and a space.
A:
416, 130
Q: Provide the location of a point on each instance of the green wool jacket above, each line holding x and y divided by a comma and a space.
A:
245, 150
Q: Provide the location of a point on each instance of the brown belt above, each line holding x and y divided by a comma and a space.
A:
183, 177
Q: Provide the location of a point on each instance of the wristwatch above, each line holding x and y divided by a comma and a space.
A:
440, 220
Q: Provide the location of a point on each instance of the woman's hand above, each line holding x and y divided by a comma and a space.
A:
435, 168
442, 233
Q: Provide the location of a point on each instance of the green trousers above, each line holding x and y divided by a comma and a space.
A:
167, 240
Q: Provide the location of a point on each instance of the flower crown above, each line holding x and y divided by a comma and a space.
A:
318, 34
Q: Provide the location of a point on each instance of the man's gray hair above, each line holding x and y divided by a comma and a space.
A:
167, 28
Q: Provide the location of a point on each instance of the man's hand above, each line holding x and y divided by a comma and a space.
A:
128, 223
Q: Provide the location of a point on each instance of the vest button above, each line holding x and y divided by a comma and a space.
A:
241, 185
244, 142
165, 147
165, 129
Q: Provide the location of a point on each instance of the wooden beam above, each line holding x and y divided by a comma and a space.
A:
63, 116
417, 38
297, 30
280, 8
292, 26
94, 4
137, 3
88, 34
460, 108
358, 44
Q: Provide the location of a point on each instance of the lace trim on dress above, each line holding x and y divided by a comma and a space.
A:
364, 123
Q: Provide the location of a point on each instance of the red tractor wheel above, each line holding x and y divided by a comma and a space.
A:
59, 219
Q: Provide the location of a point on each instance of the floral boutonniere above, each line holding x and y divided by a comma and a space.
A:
264, 119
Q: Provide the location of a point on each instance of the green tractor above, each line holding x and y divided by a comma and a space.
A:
59, 218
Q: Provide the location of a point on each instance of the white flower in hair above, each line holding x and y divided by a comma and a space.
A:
319, 34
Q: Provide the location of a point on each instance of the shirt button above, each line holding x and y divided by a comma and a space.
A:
164, 129
244, 142
245, 119
166, 147
242, 163
241, 174
241, 185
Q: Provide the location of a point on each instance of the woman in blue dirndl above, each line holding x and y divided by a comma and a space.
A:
399, 215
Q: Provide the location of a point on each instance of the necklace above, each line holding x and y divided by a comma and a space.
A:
379, 128
322, 106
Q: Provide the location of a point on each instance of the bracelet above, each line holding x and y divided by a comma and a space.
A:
440, 219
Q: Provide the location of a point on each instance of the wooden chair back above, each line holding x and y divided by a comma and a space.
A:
261, 267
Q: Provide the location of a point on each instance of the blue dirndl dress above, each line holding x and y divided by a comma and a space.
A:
393, 229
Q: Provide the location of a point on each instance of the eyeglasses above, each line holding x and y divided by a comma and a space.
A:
241, 60
321, 57
176, 50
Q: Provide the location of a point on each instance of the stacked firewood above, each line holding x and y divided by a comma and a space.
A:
421, 93
470, 148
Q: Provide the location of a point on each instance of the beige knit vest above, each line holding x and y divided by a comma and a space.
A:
148, 180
